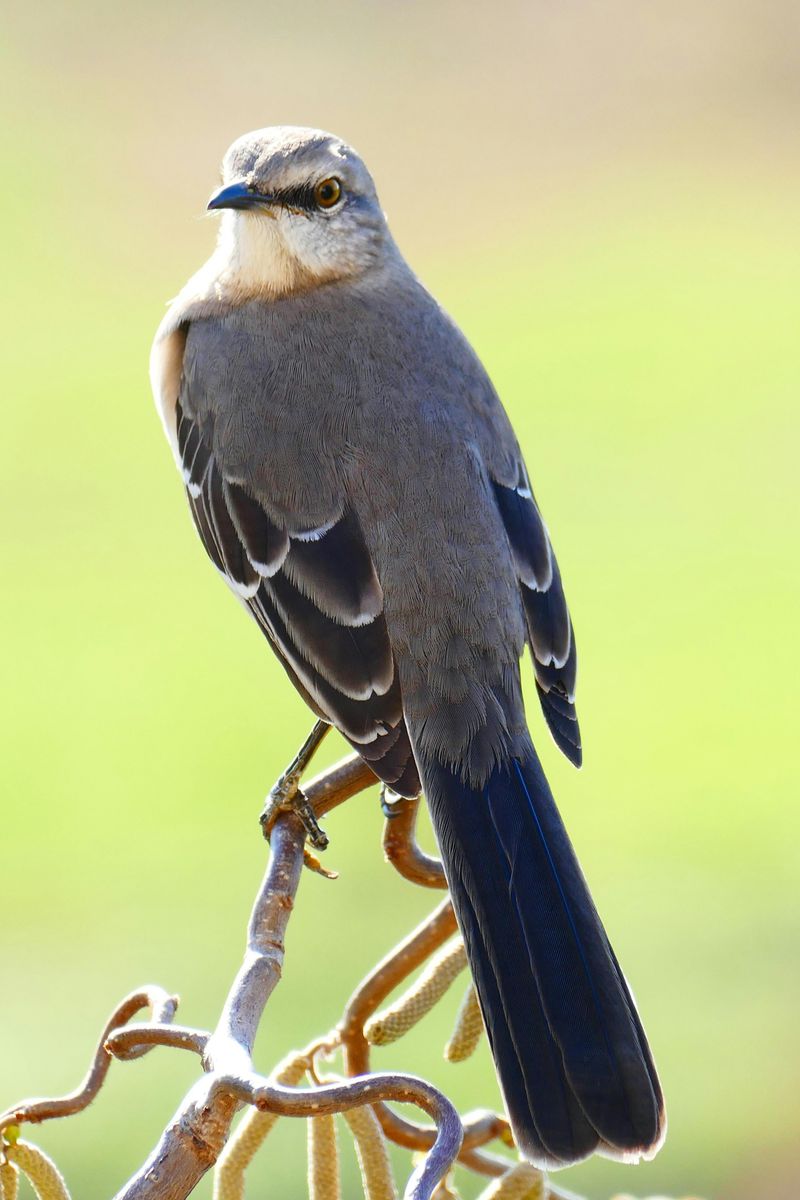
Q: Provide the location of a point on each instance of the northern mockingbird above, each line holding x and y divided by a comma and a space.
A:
356, 481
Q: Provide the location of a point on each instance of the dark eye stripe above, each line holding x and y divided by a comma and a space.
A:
301, 196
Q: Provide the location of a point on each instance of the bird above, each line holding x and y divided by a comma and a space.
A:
355, 480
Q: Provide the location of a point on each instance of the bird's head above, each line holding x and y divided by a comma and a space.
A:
299, 208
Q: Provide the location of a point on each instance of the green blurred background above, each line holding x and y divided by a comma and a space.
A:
606, 197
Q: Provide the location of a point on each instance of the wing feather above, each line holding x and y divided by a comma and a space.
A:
358, 660
335, 571
266, 545
550, 631
315, 595
241, 573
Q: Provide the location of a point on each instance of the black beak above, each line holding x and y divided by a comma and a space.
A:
237, 195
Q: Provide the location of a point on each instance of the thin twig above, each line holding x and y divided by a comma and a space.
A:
196, 1135
415, 1003
404, 852
162, 1007
479, 1128
339, 783
352, 1093
123, 1043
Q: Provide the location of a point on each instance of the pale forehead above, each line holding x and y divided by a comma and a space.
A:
288, 153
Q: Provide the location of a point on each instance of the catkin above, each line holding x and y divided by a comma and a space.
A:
43, 1174
241, 1149
521, 1182
434, 981
323, 1159
9, 1181
372, 1155
468, 1029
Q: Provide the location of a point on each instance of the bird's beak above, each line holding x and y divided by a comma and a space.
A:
237, 195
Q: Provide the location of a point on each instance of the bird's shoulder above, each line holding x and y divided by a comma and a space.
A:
364, 358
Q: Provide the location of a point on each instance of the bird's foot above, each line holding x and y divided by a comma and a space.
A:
392, 804
287, 796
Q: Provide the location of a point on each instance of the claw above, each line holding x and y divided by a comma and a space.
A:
312, 862
391, 807
286, 796
296, 802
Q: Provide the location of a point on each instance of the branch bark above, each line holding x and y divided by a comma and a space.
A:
162, 1007
197, 1133
195, 1137
479, 1128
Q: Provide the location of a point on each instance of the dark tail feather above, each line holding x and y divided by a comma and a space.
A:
575, 1068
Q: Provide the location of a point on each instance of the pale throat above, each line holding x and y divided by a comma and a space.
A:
268, 256
252, 258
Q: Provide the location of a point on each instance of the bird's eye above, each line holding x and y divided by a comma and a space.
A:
327, 193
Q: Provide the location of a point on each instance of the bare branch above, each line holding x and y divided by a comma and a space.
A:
420, 998
479, 1128
199, 1130
162, 1006
352, 1093
404, 852
125, 1043
195, 1137
340, 782
197, 1133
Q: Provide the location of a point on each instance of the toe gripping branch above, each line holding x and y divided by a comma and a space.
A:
288, 797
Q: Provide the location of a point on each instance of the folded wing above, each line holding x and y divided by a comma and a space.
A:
315, 595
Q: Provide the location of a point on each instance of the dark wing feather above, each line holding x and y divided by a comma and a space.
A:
237, 566
550, 630
360, 721
356, 659
526, 535
333, 568
265, 544
315, 595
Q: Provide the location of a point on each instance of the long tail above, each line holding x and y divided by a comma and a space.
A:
573, 1060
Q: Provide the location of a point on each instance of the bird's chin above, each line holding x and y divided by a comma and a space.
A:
253, 255
275, 257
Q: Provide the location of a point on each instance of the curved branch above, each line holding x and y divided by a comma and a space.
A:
383, 979
331, 1098
125, 1043
194, 1139
404, 852
340, 782
479, 1128
162, 1006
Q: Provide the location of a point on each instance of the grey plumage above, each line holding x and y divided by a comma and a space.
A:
353, 475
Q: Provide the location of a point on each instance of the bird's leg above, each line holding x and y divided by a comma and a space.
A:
286, 795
